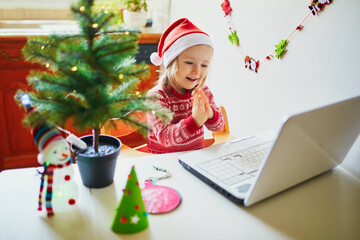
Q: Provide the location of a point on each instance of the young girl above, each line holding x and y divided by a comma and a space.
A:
186, 53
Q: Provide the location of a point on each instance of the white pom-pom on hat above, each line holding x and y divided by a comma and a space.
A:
155, 59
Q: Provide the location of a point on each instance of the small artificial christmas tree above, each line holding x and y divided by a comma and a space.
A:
90, 75
131, 215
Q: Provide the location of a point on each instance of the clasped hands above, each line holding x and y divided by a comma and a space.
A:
201, 110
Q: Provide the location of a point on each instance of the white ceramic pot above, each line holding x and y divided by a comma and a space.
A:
135, 19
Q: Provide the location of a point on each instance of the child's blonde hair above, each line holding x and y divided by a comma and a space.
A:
167, 78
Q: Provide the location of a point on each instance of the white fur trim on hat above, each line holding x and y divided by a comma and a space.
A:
184, 43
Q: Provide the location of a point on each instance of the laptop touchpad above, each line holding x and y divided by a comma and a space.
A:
244, 188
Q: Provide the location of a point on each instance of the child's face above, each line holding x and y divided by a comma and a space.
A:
193, 65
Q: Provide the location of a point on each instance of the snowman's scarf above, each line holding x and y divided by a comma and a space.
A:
49, 172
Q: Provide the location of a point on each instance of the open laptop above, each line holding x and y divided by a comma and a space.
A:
307, 145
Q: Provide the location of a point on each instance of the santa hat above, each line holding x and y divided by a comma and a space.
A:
181, 35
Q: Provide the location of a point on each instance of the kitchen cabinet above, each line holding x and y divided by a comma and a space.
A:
17, 147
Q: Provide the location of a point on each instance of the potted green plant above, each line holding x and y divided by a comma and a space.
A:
90, 77
135, 13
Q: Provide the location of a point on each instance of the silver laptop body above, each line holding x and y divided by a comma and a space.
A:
307, 145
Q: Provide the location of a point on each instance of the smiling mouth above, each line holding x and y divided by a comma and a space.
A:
63, 159
192, 79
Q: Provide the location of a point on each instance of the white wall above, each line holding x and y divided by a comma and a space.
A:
321, 65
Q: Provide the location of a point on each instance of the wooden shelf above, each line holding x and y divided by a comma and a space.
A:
149, 38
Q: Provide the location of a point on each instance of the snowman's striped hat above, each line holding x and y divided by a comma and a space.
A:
44, 133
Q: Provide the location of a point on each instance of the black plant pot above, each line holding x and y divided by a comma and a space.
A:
97, 171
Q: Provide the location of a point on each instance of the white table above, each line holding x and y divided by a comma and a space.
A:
327, 207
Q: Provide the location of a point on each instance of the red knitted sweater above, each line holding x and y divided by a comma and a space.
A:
182, 134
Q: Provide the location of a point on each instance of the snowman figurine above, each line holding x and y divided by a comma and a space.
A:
57, 186
58, 190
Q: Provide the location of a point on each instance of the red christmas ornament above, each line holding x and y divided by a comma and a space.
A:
226, 7
299, 28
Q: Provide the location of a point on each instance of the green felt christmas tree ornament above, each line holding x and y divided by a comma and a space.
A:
131, 215
234, 39
280, 48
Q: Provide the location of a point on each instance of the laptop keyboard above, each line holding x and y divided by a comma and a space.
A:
236, 167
